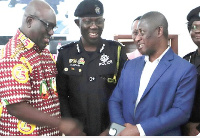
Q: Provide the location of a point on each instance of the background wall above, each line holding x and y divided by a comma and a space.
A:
119, 15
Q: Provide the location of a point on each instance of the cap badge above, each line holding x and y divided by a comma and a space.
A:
97, 10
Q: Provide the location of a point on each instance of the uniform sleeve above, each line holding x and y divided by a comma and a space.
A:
62, 87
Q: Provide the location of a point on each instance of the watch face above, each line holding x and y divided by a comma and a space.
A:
115, 129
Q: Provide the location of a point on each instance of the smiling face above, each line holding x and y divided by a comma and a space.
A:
146, 38
91, 28
134, 30
40, 31
195, 32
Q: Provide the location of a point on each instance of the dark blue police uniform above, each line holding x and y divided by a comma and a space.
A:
194, 58
85, 82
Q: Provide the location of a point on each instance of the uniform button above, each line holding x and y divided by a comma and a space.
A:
91, 78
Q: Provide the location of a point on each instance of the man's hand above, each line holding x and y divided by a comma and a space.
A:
71, 127
130, 130
191, 129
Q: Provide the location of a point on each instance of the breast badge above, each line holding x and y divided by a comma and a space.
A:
81, 61
105, 60
76, 62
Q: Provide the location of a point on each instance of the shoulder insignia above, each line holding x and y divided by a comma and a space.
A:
67, 46
114, 42
189, 54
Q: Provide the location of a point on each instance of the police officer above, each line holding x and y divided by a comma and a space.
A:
88, 71
190, 129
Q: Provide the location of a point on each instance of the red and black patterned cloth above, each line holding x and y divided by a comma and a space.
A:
27, 74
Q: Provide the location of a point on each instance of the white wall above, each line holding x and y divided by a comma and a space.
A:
119, 15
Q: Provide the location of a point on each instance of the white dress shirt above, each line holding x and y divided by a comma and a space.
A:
144, 80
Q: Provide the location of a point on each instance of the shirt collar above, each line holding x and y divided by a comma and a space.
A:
25, 40
146, 59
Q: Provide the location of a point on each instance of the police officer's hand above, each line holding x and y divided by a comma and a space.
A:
71, 127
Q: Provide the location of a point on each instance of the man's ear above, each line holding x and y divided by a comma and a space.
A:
29, 21
77, 22
160, 31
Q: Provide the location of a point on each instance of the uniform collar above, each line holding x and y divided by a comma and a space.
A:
100, 47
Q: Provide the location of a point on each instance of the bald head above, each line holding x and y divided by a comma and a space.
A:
38, 8
156, 19
38, 22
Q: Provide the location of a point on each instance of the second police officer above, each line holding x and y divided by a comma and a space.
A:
88, 71
193, 126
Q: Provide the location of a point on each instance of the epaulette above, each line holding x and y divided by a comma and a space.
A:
189, 54
67, 45
114, 42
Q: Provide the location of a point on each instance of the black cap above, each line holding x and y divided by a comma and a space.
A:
89, 8
193, 15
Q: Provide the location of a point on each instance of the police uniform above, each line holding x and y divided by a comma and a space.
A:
86, 79
194, 58
85, 82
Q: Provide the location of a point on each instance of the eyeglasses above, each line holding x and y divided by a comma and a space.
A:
89, 22
195, 28
49, 26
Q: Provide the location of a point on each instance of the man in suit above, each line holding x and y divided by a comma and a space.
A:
155, 92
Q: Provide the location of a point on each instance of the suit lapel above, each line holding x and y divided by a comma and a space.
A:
137, 74
163, 65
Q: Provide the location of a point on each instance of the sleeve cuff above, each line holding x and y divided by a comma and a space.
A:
140, 129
